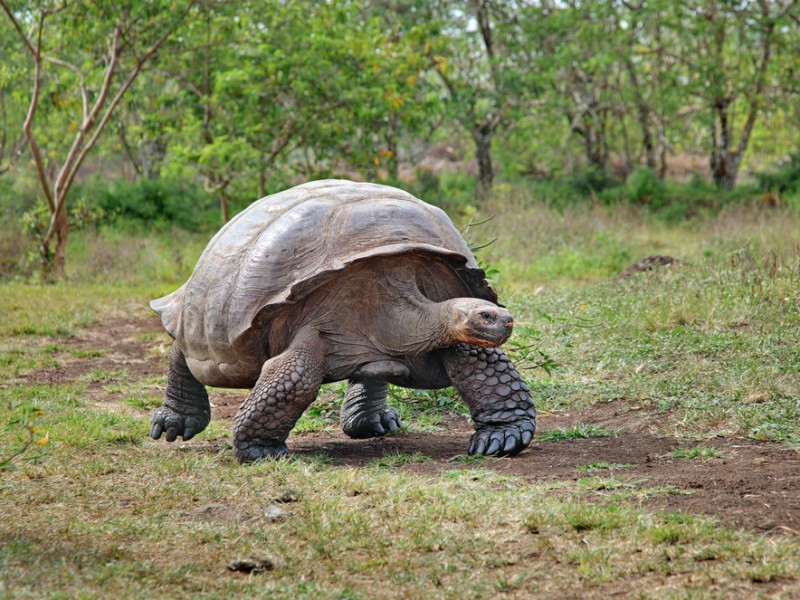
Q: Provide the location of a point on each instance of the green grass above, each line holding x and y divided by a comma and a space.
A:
394, 460
603, 465
576, 432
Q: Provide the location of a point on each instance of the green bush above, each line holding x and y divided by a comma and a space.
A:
159, 203
590, 179
452, 191
784, 180
643, 187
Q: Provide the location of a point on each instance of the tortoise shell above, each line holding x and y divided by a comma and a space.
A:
286, 245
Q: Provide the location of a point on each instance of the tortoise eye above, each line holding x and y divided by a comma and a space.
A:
486, 316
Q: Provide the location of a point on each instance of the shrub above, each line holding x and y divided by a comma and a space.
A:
160, 202
784, 180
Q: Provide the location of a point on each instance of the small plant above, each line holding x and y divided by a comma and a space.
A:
144, 402
535, 354
576, 432
586, 517
600, 466
696, 453
91, 353
27, 434
398, 460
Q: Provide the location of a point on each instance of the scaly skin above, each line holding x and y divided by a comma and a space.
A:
364, 412
498, 398
186, 410
288, 383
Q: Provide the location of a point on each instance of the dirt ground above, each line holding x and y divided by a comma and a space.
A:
754, 485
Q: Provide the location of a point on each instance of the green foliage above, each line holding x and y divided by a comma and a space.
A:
589, 179
785, 179
159, 203
696, 453
576, 432
22, 435
451, 191
394, 460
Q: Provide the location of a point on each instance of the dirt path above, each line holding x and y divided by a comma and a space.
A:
754, 485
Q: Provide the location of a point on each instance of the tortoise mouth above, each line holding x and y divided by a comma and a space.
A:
489, 337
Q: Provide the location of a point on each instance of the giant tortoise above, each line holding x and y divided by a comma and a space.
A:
329, 281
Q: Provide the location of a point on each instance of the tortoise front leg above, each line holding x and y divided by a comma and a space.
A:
497, 396
365, 413
288, 383
186, 410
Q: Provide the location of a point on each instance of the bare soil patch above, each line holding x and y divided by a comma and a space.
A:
753, 485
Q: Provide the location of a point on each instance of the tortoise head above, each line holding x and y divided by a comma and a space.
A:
478, 323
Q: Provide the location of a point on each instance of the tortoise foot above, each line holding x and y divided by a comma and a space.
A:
374, 424
260, 449
505, 439
174, 424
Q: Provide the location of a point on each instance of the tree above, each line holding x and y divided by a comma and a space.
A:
12, 140
98, 50
483, 83
727, 55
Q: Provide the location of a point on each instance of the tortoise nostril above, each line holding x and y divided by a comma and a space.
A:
508, 321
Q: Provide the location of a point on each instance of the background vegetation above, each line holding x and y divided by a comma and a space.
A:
156, 113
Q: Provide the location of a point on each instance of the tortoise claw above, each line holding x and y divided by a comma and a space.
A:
375, 424
501, 440
254, 450
172, 424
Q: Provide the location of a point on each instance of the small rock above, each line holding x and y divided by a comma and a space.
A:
251, 565
275, 514
648, 263
757, 399
286, 497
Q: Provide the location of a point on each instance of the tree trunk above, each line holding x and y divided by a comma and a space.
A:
53, 261
262, 180
153, 153
482, 135
223, 206
724, 161
661, 152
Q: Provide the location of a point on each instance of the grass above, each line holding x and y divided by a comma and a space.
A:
709, 348
113, 522
603, 465
394, 460
576, 432
696, 453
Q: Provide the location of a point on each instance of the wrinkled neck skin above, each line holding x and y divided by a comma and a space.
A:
388, 310
403, 321
419, 325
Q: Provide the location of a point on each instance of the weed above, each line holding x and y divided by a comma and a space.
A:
90, 353
696, 453
602, 465
395, 460
144, 402
576, 432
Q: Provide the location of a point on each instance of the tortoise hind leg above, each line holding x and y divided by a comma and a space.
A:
288, 383
365, 413
186, 410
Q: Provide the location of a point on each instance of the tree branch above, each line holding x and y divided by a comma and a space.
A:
28, 43
27, 126
79, 151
